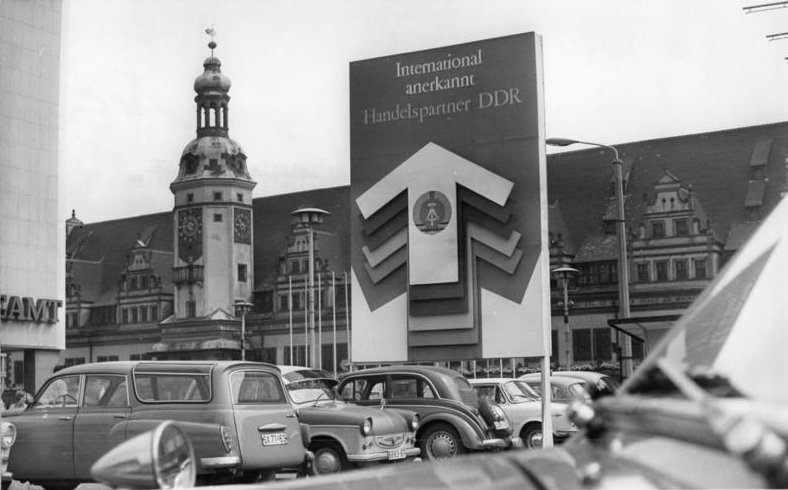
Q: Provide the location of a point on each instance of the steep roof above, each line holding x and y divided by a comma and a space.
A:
717, 165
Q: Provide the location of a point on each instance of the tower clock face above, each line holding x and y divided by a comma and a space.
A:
189, 234
243, 226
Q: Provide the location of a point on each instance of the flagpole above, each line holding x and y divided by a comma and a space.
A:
306, 322
347, 326
319, 346
290, 308
334, 317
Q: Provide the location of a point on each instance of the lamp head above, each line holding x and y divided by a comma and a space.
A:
560, 141
565, 272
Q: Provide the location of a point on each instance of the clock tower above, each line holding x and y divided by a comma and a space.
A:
212, 224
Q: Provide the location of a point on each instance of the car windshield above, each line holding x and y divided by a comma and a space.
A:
311, 390
732, 341
520, 392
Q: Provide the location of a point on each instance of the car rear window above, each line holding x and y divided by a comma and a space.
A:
172, 387
256, 387
467, 393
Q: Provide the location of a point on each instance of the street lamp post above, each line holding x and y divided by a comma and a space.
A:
241, 309
564, 274
623, 268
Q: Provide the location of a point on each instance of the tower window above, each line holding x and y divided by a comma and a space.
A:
217, 196
239, 197
190, 197
217, 218
191, 309
241, 272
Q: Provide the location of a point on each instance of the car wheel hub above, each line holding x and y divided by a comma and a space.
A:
327, 462
534, 439
442, 445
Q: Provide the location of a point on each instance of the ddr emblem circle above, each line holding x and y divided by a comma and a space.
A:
432, 212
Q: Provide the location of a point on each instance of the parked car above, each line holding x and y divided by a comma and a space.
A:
563, 389
708, 407
237, 414
343, 434
523, 406
596, 384
7, 439
453, 420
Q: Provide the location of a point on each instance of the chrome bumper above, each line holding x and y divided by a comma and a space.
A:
497, 443
382, 456
221, 462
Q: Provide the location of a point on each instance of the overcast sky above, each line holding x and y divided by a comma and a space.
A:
614, 72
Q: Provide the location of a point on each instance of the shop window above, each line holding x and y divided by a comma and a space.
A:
19, 372
241, 272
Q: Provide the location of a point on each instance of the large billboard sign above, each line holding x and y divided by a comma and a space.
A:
449, 222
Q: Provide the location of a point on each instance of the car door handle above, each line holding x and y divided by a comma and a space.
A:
272, 428
290, 415
64, 417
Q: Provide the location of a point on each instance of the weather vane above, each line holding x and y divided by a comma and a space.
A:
211, 32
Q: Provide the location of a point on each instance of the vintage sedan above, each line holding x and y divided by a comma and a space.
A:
708, 408
237, 414
563, 389
453, 420
346, 435
524, 408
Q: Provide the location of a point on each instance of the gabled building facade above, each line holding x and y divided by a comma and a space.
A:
165, 285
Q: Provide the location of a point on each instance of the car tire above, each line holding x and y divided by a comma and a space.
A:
329, 458
532, 435
68, 486
440, 441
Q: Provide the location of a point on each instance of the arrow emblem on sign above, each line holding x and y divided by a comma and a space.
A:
430, 177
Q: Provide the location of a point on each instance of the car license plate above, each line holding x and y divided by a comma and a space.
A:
274, 439
501, 424
396, 454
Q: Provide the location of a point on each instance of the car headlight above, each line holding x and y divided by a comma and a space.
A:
414, 422
9, 435
366, 427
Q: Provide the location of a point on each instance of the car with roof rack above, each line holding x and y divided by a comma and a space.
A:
237, 414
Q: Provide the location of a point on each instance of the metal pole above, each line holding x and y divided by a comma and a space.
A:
623, 267
311, 293
334, 316
567, 329
290, 307
347, 326
243, 335
319, 349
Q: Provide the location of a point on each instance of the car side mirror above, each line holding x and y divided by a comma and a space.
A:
161, 458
